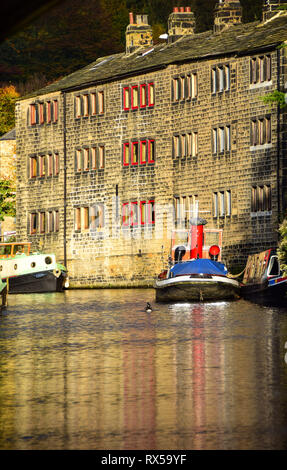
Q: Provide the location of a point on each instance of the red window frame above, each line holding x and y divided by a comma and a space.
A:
141, 152
134, 87
134, 213
126, 105
126, 148
48, 111
151, 104
143, 203
33, 115
151, 212
41, 113
33, 167
150, 143
132, 153
55, 110
143, 93
126, 214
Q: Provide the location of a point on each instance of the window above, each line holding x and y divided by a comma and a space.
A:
93, 104
221, 139
185, 87
138, 213
126, 214
56, 164
41, 113
261, 131
176, 146
96, 217
94, 158
33, 223
222, 204
50, 221
78, 219
86, 159
151, 151
78, 160
101, 103
151, 212
176, 89
56, 221
126, 154
42, 222
48, 112
50, 165
260, 69
101, 163
86, 105
261, 198
42, 165
220, 79
86, 220
135, 97
126, 98
55, 110
143, 152
33, 114
78, 106
33, 167
135, 153
143, 95
151, 95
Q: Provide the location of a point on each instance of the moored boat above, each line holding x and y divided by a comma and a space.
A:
26, 272
263, 278
197, 278
3, 294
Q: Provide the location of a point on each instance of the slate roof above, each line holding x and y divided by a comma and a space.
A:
239, 39
11, 135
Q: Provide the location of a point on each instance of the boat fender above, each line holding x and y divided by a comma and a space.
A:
57, 272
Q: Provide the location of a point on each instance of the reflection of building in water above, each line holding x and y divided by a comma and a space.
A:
139, 390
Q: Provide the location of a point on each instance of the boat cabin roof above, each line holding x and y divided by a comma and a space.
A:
13, 249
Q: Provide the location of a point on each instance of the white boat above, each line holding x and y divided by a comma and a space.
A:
26, 272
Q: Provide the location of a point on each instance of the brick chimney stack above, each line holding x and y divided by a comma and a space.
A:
138, 34
270, 8
181, 22
227, 13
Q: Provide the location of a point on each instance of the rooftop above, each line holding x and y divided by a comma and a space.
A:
239, 39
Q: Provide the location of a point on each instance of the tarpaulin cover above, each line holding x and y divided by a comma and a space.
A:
198, 266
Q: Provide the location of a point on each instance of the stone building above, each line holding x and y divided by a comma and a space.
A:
8, 172
112, 157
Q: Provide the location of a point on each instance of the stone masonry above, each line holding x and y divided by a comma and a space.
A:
190, 117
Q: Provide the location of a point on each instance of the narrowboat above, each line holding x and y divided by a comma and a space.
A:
196, 272
3, 294
263, 278
27, 272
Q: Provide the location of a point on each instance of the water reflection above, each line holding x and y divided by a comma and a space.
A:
92, 370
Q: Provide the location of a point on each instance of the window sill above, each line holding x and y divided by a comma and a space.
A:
253, 148
254, 86
260, 214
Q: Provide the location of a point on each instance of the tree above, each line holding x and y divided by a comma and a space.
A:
7, 199
8, 96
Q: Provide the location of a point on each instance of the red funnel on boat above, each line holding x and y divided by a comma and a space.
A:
196, 232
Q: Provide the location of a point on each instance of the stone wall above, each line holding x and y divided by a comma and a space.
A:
133, 256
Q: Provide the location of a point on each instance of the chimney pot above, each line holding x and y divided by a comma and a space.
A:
131, 18
188, 9
181, 9
175, 10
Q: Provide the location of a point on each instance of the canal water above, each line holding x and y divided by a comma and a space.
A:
90, 369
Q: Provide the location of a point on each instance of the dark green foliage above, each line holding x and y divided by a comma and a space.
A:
77, 32
7, 199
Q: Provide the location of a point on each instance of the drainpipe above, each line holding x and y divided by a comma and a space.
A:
65, 176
